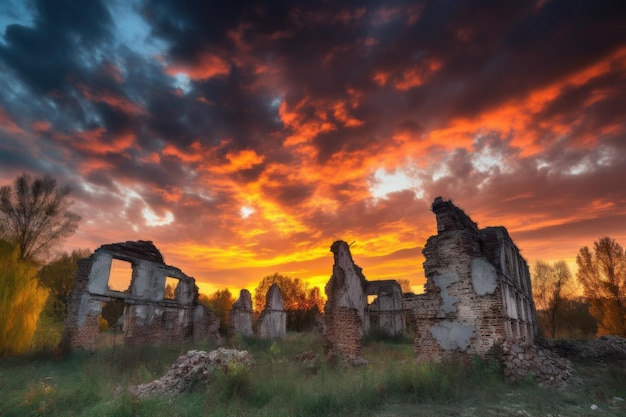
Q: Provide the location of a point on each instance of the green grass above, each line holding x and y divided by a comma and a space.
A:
279, 384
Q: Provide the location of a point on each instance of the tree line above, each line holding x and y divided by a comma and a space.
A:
599, 309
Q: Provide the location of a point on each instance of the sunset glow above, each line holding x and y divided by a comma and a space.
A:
244, 141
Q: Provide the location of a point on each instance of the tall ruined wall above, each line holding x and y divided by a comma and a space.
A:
345, 308
386, 312
148, 316
272, 323
471, 301
240, 316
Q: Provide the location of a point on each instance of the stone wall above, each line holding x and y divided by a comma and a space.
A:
272, 323
520, 362
386, 312
477, 290
345, 308
148, 316
240, 318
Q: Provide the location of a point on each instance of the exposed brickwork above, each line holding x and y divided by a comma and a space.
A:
343, 333
477, 291
345, 308
148, 317
347, 314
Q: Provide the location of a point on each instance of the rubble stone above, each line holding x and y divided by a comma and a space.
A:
194, 367
532, 361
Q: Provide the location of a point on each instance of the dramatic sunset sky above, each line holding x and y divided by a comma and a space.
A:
243, 138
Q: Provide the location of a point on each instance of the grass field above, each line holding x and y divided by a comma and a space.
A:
392, 384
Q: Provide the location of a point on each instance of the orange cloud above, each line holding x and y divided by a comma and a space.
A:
341, 114
304, 129
95, 141
207, 66
245, 159
417, 75
112, 100
194, 154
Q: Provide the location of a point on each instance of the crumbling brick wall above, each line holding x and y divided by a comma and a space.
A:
477, 291
345, 308
148, 316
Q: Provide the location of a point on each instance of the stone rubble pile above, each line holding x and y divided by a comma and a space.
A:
194, 367
520, 362
603, 348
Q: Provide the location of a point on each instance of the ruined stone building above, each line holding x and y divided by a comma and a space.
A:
386, 310
160, 301
272, 323
477, 290
240, 318
347, 314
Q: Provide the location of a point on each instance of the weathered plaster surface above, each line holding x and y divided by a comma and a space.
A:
443, 281
484, 278
477, 290
453, 335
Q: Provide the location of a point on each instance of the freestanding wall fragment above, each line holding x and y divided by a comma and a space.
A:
345, 308
386, 312
477, 290
149, 317
240, 317
272, 323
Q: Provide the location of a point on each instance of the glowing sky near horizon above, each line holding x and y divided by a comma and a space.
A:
244, 138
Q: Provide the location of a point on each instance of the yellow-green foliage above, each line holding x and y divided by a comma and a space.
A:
103, 325
21, 300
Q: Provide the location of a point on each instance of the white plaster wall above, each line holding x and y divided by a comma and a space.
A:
99, 275
354, 295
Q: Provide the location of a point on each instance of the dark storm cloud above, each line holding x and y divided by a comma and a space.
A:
44, 55
299, 110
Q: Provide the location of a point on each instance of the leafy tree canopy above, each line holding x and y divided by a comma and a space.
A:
296, 293
552, 286
59, 274
602, 273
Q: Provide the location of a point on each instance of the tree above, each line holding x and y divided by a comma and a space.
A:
602, 273
35, 215
302, 303
21, 300
552, 287
220, 303
59, 274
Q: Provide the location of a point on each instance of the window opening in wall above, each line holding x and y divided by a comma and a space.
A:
121, 275
170, 288
113, 315
371, 298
